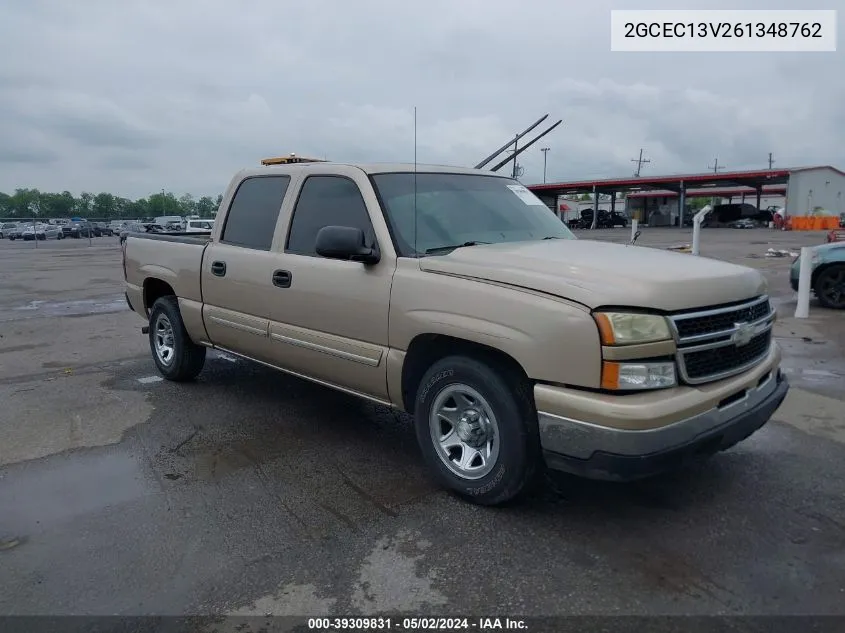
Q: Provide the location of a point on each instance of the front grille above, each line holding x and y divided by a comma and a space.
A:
710, 362
714, 343
721, 321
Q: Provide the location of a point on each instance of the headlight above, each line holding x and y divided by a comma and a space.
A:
619, 376
623, 328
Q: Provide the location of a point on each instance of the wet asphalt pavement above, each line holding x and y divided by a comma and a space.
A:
251, 492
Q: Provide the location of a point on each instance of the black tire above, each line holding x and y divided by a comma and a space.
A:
186, 359
510, 399
830, 287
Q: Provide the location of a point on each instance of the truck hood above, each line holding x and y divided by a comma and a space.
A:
598, 274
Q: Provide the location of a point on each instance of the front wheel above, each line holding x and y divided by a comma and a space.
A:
830, 287
477, 429
176, 356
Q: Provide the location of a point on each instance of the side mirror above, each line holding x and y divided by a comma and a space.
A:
345, 242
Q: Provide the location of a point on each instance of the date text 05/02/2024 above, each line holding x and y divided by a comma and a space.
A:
375, 624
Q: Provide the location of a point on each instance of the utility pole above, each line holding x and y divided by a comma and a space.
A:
639, 162
545, 151
515, 143
771, 160
715, 167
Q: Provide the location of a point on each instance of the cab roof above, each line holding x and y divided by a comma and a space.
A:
368, 168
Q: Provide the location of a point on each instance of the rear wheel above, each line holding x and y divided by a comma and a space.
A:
176, 356
830, 287
477, 429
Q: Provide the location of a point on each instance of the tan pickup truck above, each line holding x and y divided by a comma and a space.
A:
458, 296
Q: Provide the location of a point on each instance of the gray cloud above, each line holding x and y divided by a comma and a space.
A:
91, 132
27, 156
134, 96
131, 161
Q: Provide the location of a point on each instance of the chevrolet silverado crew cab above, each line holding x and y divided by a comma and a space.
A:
457, 296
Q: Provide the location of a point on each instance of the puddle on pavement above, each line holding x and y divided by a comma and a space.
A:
56, 490
80, 307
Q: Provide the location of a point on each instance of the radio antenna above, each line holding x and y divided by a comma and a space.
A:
415, 180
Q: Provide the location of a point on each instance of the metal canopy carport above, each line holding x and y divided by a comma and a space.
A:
751, 181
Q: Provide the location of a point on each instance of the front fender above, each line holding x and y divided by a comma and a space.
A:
553, 340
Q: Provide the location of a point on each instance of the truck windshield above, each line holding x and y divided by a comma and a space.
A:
459, 209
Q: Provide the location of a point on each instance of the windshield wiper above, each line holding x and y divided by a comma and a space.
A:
552, 237
443, 249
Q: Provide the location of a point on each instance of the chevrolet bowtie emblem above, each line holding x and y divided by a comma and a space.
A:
743, 334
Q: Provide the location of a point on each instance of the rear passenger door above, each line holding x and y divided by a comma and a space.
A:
329, 321
237, 270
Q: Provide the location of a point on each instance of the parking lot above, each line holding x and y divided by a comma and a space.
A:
252, 492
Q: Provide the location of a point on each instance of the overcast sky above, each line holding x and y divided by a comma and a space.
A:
135, 96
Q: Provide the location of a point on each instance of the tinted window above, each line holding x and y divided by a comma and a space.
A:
326, 201
438, 210
252, 216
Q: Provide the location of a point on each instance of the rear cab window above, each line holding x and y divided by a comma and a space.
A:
254, 211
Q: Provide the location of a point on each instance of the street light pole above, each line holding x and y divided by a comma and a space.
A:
545, 151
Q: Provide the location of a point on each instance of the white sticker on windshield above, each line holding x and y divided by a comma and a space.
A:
525, 195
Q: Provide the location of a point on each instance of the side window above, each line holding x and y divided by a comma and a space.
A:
254, 211
326, 201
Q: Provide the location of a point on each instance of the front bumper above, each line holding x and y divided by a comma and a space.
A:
602, 452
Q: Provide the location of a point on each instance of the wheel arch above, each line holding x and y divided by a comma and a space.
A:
155, 288
426, 349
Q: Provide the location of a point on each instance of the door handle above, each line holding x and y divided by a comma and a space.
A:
218, 269
282, 278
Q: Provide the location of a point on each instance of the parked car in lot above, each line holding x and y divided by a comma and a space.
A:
199, 226
606, 219
7, 228
827, 279
743, 224
78, 229
101, 229
17, 232
41, 232
454, 295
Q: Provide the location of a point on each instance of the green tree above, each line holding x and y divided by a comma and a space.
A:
57, 205
164, 204
25, 203
104, 206
5, 205
139, 208
121, 207
187, 204
84, 204
205, 207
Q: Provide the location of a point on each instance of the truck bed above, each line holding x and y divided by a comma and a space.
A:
181, 237
175, 259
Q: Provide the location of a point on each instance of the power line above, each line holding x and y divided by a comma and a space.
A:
639, 162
